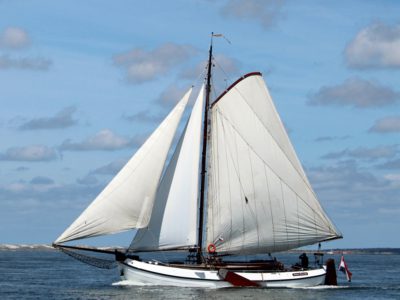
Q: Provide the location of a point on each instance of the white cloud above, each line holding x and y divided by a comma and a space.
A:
15, 187
225, 71
223, 65
144, 116
393, 177
331, 138
338, 177
25, 63
374, 153
41, 180
345, 184
171, 95
386, 125
62, 119
227, 64
142, 65
193, 73
89, 179
390, 165
29, 153
376, 46
30, 196
111, 168
14, 38
103, 140
266, 12
355, 92
22, 169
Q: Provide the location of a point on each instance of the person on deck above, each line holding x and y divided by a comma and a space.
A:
304, 260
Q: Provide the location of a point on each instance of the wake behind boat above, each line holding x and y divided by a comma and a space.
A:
234, 186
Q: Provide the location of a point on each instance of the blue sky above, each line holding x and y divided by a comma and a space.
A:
82, 83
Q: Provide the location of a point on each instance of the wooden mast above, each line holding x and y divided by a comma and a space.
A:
204, 157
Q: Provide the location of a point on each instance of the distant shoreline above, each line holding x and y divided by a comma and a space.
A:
377, 251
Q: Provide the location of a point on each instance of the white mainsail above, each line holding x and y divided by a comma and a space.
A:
259, 198
173, 223
127, 201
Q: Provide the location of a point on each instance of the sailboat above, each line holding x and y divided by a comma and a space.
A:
234, 186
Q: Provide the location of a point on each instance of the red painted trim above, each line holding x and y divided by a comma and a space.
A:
236, 279
235, 83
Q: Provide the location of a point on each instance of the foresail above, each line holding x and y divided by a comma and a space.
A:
126, 202
259, 198
173, 222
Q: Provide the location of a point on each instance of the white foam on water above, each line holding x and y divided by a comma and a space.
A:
127, 283
323, 287
11, 247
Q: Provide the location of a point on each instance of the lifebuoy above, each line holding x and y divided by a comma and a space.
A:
211, 248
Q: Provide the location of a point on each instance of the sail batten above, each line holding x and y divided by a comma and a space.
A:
126, 202
259, 198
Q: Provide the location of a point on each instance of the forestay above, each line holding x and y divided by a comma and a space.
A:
259, 198
126, 202
173, 222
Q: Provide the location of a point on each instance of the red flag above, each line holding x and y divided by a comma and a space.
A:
343, 267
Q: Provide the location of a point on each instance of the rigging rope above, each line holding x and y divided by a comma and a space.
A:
90, 260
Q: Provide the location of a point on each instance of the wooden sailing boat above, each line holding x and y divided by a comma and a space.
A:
234, 186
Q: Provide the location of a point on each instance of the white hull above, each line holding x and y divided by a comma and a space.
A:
143, 273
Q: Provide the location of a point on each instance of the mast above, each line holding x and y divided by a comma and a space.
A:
204, 157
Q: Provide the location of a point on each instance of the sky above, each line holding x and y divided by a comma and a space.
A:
83, 83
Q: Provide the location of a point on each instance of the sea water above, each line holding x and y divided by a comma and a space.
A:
41, 274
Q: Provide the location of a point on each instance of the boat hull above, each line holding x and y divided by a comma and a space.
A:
147, 273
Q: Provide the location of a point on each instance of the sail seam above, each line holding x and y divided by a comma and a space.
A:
298, 221
238, 133
240, 184
241, 187
270, 205
245, 100
284, 210
254, 197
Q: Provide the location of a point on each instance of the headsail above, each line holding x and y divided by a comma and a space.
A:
259, 198
173, 222
126, 202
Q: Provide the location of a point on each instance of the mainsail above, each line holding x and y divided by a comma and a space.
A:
259, 198
173, 223
127, 201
